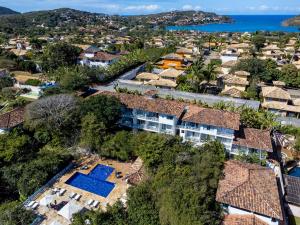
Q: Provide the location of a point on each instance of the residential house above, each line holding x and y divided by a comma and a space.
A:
11, 119
227, 66
272, 52
185, 52
192, 123
278, 101
234, 83
146, 77
171, 74
229, 54
173, 61
94, 57
250, 190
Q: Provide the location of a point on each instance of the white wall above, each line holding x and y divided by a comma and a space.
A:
233, 210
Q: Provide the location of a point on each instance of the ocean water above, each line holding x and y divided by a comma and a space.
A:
244, 23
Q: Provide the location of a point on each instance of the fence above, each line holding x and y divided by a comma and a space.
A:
36, 194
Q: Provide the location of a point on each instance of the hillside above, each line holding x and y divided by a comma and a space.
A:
182, 18
295, 21
66, 19
6, 11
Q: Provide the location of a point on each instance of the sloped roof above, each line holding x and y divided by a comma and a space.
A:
229, 64
242, 73
171, 72
173, 56
233, 92
184, 51
271, 47
11, 119
147, 76
236, 219
162, 83
275, 92
212, 117
149, 104
281, 106
254, 138
236, 80
250, 187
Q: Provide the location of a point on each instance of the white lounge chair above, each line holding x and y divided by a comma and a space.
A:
61, 192
77, 197
31, 204
89, 202
72, 195
35, 205
96, 203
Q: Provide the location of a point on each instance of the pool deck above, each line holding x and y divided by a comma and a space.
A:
119, 191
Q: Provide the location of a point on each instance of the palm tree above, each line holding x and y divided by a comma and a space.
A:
195, 73
209, 74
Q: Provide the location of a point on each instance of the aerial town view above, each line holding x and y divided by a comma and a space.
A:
131, 112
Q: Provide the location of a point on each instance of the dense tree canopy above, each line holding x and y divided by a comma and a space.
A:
59, 54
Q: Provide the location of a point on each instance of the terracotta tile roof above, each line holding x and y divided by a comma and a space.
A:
254, 138
229, 64
162, 83
275, 92
233, 92
173, 56
212, 117
250, 187
235, 219
11, 119
103, 56
149, 104
171, 73
242, 73
147, 76
232, 79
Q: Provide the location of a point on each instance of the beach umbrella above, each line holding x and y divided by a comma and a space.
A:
69, 209
47, 200
55, 223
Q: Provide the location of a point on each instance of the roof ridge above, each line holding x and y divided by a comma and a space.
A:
262, 195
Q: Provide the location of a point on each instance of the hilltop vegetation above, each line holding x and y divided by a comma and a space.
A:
7, 11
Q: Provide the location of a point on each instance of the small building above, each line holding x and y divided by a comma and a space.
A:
163, 83
145, 77
11, 119
227, 66
94, 57
250, 190
173, 61
230, 54
234, 84
171, 74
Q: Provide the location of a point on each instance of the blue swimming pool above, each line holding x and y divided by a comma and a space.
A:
295, 172
94, 182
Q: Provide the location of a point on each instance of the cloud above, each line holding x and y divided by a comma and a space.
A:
187, 7
151, 7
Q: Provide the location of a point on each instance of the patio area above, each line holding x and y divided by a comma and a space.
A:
57, 201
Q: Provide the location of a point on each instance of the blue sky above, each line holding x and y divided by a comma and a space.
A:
126, 7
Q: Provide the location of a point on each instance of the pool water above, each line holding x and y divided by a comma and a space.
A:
295, 172
94, 182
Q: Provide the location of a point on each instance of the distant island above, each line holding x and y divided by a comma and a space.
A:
295, 21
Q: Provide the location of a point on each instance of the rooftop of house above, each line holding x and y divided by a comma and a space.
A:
250, 187
292, 189
103, 56
271, 47
173, 56
233, 92
275, 92
242, 73
212, 117
235, 80
11, 119
163, 83
184, 51
171, 73
236, 219
281, 106
254, 138
147, 76
229, 64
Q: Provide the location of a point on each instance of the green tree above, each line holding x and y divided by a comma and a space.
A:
290, 75
13, 213
258, 41
59, 54
106, 109
92, 132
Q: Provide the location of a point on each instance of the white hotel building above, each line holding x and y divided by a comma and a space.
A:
192, 123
